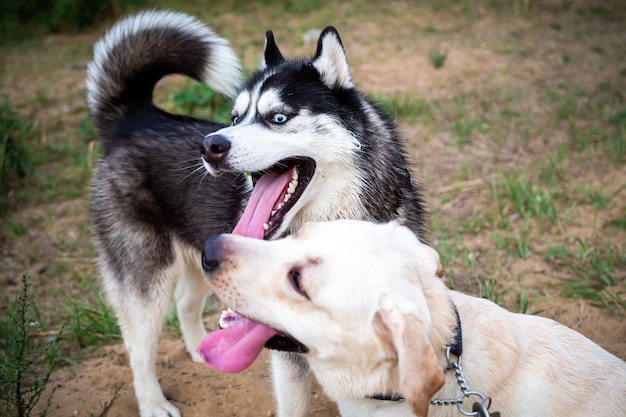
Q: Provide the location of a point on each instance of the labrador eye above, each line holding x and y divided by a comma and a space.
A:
279, 118
295, 277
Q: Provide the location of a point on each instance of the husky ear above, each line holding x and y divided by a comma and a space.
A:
271, 54
331, 61
420, 373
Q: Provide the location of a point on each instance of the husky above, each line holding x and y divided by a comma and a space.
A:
316, 149
152, 203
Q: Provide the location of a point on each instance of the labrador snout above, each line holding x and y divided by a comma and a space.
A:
212, 253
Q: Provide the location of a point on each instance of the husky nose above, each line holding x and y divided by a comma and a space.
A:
211, 257
214, 148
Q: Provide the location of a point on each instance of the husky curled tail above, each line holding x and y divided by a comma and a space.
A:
152, 203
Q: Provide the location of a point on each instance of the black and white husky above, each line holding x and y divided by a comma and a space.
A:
315, 147
317, 150
153, 204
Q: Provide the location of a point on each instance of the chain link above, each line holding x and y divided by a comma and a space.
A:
482, 407
460, 377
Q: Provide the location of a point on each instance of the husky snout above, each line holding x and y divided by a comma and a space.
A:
214, 148
212, 253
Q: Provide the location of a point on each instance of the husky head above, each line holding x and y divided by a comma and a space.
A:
296, 129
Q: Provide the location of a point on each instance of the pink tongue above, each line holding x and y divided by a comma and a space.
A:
265, 197
235, 348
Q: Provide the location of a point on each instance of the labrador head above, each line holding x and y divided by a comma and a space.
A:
348, 294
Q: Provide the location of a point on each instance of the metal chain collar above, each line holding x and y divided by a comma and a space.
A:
479, 408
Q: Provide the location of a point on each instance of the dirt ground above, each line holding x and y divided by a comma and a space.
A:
200, 391
194, 388
383, 62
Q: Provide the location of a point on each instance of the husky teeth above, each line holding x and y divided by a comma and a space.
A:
266, 226
292, 186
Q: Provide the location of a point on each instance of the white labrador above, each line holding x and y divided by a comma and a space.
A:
366, 306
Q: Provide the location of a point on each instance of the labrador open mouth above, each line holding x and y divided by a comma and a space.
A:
239, 342
276, 190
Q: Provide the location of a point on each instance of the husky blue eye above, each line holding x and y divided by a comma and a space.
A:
234, 119
279, 118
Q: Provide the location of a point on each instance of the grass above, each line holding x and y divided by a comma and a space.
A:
15, 158
514, 245
26, 360
598, 272
437, 57
517, 196
409, 109
91, 321
29, 353
520, 305
198, 100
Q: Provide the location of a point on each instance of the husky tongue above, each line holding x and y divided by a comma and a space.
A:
235, 348
265, 197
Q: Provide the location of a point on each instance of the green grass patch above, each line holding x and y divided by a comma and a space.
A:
516, 196
91, 321
29, 352
598, 272
24, 19
520, 304
408, 109
27, 359
437, 57
200, 101
617, 147
15, 158
514, 245
489, 289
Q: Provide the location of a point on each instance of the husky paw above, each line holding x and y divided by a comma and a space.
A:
164, 409
154, 404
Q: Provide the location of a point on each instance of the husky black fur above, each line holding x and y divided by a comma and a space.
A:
302, 124
153, 204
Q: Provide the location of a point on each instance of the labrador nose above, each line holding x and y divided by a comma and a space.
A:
211, 254
214, 148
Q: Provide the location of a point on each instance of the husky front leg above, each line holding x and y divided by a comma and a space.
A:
141, 317
191, 294
292, 384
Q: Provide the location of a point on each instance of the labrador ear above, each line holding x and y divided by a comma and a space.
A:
331, 60
420, 373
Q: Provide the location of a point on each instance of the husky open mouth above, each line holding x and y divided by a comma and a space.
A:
239, 342
276, 190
